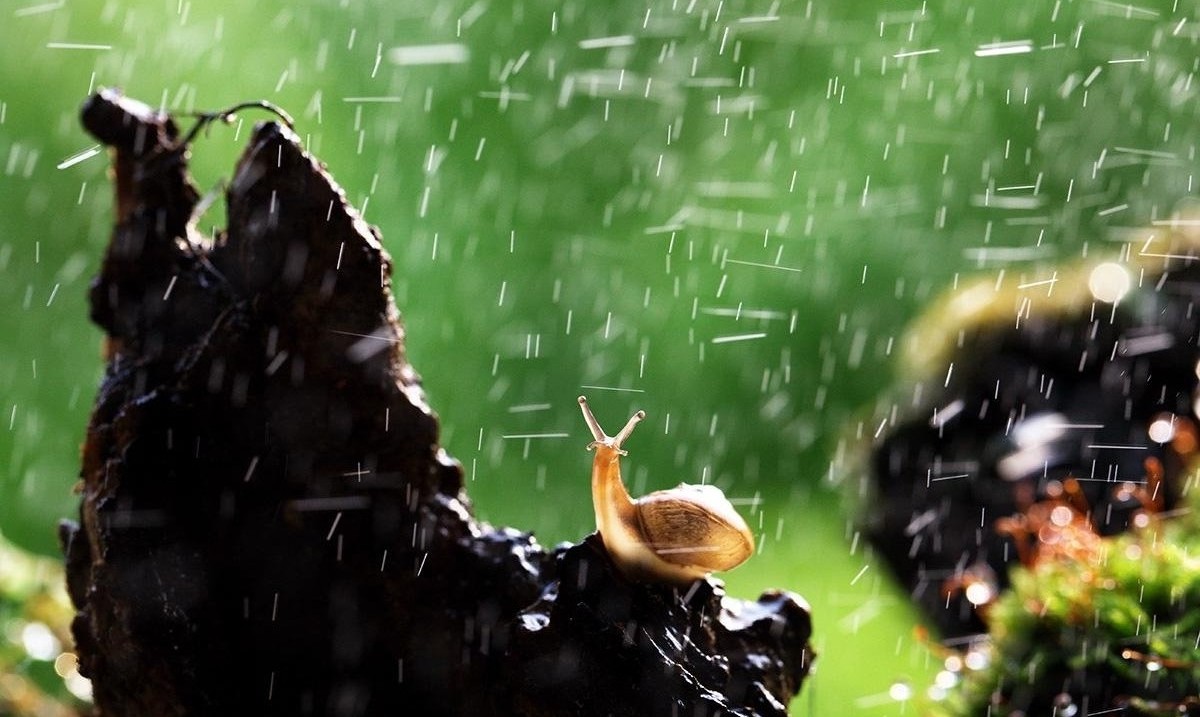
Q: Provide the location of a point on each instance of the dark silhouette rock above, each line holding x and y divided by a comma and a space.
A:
268, 524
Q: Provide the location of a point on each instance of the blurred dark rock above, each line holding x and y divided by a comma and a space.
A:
1063, 397
268, 525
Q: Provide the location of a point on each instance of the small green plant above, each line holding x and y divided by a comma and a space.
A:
1104, 625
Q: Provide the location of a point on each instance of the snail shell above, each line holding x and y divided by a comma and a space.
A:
674, 536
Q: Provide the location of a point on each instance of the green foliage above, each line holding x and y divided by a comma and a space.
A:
569, 211
1114, 628
35, 677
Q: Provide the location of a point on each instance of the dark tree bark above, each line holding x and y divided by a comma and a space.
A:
268, 524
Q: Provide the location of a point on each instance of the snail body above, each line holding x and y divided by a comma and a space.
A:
673, 536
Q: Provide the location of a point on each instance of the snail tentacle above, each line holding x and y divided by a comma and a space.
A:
673, 536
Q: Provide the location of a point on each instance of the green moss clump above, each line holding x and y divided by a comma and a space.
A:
1113, 626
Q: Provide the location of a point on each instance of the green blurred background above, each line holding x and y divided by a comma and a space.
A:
722, 212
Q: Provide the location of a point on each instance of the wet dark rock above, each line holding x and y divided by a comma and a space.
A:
1028, 405
268, 525
654, 650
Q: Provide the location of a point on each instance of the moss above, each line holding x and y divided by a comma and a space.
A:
1114, 628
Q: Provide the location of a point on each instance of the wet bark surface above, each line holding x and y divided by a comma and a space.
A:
268, 524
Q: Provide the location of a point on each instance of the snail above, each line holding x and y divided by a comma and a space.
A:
673, 536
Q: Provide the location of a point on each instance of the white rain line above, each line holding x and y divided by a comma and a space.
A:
1074, 425
842, 599
765, 314
612, 388
506, 95
250, 470
78, 157
528, 407
39, 9
1126, 8
276, 362
746, 501
1126, 61
913, 53
1031, 284
1118, 446
1186, 257
663, 229
1146, 152
864, 613
76, 46
1112, 210
535, 435
997, 49
709, 82
738, 337
763, 266
472, 14
1005, 253
1176, 223
957, 475
743, 103
373, 99
731, 220
453, 53
377, 337
751, 19
600, 43
1172, 513
1112, 480
1139, 345
874, 700
860, 574
996, 202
